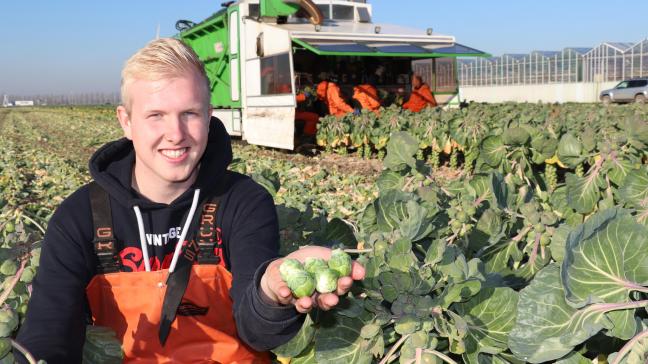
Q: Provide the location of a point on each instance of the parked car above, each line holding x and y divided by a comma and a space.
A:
635, 90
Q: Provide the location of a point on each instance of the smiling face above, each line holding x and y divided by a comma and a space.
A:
168, 123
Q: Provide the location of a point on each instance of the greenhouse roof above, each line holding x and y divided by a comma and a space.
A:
546, 53
579, 50
620, 46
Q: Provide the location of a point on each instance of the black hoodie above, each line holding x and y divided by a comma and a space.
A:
54, 329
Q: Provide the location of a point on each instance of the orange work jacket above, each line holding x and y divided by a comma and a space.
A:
367, 96
329, 92
420, 99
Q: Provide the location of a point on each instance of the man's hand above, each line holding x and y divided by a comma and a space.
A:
277, 290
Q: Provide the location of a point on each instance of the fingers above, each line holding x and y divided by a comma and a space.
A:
304, 304
344, 285
284, 295
326, 301
357, 271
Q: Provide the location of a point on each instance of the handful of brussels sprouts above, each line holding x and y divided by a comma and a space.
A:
315, 273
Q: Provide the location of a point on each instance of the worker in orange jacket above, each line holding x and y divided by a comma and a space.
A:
329, 92
309, 118
367, 97
421, 96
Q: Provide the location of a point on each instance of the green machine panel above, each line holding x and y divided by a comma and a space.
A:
210, 39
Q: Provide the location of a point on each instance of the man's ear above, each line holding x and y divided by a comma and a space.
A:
124, 121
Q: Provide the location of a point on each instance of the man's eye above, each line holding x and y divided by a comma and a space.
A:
153, 116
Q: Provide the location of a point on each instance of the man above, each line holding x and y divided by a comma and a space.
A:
421, 96
329, 92
162, 201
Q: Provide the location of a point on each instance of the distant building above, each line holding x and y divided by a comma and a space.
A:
5, 101
24, 103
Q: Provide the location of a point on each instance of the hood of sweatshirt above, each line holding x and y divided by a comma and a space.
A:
111, 167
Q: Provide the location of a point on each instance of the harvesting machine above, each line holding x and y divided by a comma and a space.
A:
260, 53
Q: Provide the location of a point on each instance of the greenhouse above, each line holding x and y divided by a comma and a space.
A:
610, 61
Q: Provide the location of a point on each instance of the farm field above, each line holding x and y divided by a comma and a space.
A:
492, 234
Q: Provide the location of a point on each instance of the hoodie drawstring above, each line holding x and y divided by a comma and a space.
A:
183, 235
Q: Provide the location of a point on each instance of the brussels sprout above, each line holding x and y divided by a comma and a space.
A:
28, 275
8, 322
8, 267
288, 267
301, 283
312, 265
340, 262
5, 348
326, 280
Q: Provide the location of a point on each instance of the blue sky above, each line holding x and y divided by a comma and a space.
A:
73, 46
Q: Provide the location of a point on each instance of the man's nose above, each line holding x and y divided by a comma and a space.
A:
174, 129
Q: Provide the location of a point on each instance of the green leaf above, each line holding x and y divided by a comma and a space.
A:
490, 316
336, 232
500, 190
547, 327
368, 331
102, 346
339, 341
574, 358
618, 170
515, 136
407, 324
559, 242
605, 261
569, 150
299, 342
307, 357
400, 256
493, 151
416, 226
399, 211
634, 191
268, 179
389, 180
400, 152
583, 192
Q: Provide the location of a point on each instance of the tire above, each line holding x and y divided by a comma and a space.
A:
606, 100
640, 99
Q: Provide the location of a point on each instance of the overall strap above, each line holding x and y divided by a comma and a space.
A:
179, 279
210, 244
104, 238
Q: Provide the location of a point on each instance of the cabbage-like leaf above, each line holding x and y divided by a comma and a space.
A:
493, 151
336, 232
299, 342
339, 341
606, 259
490, 316
569, 150
574, 358
400, 152
389, 180
515, 136
583, 192
547, 327
399, 211
634, 191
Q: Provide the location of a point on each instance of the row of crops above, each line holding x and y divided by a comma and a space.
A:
536, 252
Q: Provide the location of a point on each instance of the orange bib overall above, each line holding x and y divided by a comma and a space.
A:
204, 331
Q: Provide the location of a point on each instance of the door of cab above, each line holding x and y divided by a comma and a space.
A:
269, 109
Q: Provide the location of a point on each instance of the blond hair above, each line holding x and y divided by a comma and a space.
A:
160, 59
